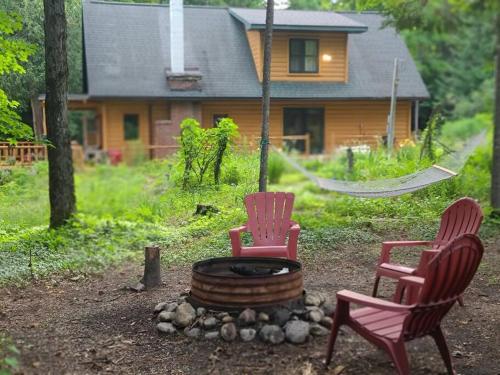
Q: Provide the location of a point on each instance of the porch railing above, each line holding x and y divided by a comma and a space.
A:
279, 141
23, 153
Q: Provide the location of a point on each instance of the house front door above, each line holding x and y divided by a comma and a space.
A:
302, 121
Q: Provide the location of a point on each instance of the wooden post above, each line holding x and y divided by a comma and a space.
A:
152, 275
392, 113
416, 114
350, 160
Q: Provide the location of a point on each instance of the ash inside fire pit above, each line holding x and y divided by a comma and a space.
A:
245, 282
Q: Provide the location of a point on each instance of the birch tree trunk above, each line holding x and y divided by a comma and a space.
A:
266, 98
61, 182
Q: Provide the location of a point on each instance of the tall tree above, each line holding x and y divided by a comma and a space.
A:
266, 95
61, 181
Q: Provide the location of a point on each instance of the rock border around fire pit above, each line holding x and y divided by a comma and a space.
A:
274, 326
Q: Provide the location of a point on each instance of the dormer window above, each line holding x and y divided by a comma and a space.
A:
303, 56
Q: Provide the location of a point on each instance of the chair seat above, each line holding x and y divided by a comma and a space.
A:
265, 251
388, 324
397, 268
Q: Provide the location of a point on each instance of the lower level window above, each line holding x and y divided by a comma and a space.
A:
131, 127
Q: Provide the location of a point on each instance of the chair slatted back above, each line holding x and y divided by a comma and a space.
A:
269, 216
448, 275
463, 216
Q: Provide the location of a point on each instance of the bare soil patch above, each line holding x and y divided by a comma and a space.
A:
95, 325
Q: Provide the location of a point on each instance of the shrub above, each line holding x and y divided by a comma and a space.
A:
202, 149
275, 168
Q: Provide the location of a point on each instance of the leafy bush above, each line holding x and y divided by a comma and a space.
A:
202, 149
9, 363
275, 168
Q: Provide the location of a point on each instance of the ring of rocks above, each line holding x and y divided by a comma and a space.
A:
274, 326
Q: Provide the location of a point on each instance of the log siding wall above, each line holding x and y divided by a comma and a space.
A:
331, 43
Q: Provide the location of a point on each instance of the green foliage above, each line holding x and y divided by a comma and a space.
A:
9, 363
275, 168
204, 148
13, 52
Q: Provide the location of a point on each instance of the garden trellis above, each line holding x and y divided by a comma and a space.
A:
449, 167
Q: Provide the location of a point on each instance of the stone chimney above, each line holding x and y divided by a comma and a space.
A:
178, 76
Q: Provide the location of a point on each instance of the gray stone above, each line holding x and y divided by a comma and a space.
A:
210, 322
263, 317
212, 335
281, 316
185, 314
328, 308
166, 328
181, 300
247, 316
227, 319
316, 316
228, 332
247, 334
318, 330
166, 316
326, 322
193, 332
297, 331
171, 307
272, 334
159, 307
312, 308
222, 315
313, 299
200, 311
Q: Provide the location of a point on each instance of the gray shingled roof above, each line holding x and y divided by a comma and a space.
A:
127, 54
298, 20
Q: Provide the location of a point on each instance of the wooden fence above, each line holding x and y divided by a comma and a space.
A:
23, 153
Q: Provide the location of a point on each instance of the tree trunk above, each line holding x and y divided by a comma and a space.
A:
495, 172
61, 183
266, 86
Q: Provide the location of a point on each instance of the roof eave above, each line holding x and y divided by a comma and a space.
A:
345, 29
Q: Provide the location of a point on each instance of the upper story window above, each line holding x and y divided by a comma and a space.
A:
131, 127
303, 56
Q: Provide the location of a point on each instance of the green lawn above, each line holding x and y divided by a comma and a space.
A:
121, 209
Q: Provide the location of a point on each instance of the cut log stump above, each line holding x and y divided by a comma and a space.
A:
152, 271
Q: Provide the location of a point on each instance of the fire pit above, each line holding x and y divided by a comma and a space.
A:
246, 282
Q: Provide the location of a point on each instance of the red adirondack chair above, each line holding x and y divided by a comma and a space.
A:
463, 216
389, 325
269, 221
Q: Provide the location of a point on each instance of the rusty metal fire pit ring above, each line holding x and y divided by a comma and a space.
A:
215, 286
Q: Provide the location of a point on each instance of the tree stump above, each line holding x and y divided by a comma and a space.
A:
152, 272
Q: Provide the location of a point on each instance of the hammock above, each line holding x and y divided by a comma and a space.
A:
401, 185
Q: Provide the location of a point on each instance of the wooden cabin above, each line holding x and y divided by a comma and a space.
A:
147, 67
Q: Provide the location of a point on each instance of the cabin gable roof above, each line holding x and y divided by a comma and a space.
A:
127, 53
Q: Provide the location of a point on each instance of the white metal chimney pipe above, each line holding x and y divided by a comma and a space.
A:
176, 36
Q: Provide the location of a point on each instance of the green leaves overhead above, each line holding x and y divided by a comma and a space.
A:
13, 52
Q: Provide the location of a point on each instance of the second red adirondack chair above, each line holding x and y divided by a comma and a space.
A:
269, 222
389, 325
463, 216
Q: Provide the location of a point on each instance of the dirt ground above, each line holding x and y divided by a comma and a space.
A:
94, 324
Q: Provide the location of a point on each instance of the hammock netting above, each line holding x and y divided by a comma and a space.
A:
449, 166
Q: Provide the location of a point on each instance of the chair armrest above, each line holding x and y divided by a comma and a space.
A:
234, 235
361, 299
405, 282
389, 245
293, 239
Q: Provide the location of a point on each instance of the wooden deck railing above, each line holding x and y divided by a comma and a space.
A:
23, 153
279, 141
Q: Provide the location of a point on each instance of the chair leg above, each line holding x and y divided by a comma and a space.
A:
397, 351
375, 286
461, 301
438, 337
331, 341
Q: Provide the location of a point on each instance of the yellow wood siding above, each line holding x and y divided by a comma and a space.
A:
329, 43
255, 42
113, 123
346, 122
